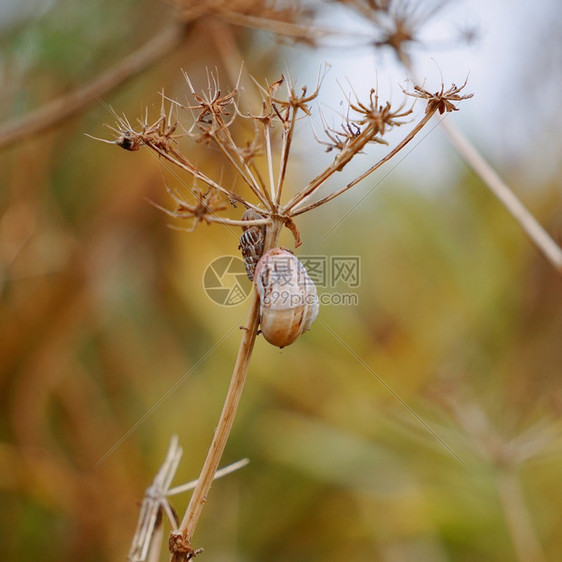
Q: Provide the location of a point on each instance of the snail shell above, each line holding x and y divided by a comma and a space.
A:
251, 242
288, 298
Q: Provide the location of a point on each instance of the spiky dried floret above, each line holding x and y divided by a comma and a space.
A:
380, 117
269, 112
339, 139
213, 110
206, 206
397, 23
127, 137
294, 101
442, 100
160, 134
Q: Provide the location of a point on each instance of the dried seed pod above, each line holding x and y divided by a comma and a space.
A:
288, 298
129, 141
252, 242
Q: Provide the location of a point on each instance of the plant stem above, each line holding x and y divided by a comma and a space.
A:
538, 235
224, 426
181, 539
525, 542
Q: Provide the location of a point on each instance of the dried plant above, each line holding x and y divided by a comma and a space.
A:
215, 116
261, 158
396, 24
441, 101
283, 108
148, 534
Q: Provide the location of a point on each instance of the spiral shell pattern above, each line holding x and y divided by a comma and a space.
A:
252, 242
288, 298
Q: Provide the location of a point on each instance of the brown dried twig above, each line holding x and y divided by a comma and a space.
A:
537, 234
283, 20
155, 503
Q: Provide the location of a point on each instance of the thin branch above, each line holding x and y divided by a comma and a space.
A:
285, 150
71, 103
245, 172
288, 29
538, 235
148, 534
269, 158
181, 540
184, 164
523, 536
391, 154
243, 224
218, 474
212, 217
155, 545
150, 512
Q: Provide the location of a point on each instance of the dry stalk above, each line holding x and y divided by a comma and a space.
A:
538, 235
273, 127
282, 19
181, 540
148, 534
400, 29
523, 536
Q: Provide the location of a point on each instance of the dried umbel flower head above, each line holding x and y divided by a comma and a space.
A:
288, 298
442, 100
269, 208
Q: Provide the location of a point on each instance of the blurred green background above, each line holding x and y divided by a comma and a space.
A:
422, 424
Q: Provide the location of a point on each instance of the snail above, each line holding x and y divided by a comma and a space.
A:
251, 242
288, 298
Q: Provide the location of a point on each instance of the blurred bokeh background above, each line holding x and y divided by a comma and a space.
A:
422, 424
